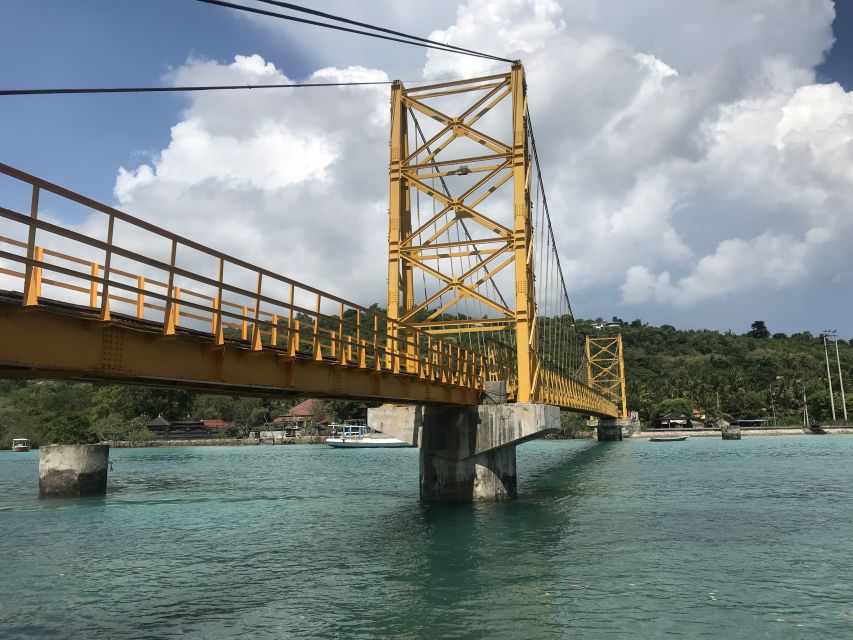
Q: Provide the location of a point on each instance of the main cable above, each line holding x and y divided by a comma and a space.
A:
330, 16
225, 87
410, 41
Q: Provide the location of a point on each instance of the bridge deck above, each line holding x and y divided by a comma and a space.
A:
63, 341
145, 305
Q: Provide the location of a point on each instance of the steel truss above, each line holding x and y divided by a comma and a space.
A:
495, 247
606, 369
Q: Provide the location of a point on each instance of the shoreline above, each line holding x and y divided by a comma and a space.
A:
215, 442
317, 440
776, 431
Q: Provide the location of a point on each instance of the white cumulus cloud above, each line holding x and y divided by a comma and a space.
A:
689, 154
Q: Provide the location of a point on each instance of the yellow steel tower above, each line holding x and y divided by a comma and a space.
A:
606, 369
462, 146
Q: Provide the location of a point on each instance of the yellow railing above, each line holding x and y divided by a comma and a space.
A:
256, 310
298, 323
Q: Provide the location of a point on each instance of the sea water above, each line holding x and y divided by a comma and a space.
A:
698, 539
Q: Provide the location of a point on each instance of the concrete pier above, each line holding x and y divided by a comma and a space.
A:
608, 430
614, 429
467, 453
730, 433
73, 469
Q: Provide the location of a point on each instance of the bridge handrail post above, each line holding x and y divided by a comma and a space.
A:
317, 347
108, 254
37, 270
176, 308
140, 297
377, 363
257, 343
358, 335
244, 323
290, 337
294, 342
32, 272
168, 315
93, 284
396, 352
218, 333
342, 351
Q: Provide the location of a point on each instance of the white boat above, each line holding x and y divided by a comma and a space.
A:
360, 436
20, 444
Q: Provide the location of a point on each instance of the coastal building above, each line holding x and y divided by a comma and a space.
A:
750, 422
189, 428
309, 416
678, 421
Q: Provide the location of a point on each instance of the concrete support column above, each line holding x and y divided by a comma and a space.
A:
451, 468
73, 469
608, 430
467, 453
487, 476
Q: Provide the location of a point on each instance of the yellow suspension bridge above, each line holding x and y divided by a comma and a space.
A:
467, 216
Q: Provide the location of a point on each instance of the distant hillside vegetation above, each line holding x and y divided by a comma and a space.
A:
667, 370
728, 373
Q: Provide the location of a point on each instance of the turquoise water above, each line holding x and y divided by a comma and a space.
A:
701, 539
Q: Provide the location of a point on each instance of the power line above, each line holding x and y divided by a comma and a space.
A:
412, 40
221, 87
294, 7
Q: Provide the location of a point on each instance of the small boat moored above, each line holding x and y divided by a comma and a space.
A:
360, 436
668, 438
20, 444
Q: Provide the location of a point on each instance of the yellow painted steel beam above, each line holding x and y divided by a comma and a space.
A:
418, 254
457, 330
61, 341
525, 300
470, 83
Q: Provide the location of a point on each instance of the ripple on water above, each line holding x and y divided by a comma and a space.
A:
705, 539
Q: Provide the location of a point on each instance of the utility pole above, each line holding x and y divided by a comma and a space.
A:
834, 335
805, 406
828, 375
773, 406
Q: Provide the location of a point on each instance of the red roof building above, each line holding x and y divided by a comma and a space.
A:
306, 411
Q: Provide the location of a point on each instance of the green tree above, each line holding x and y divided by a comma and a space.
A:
71, 429
759, 330
671, 405
130, 402
116, 427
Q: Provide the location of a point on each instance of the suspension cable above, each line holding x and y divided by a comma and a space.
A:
410, 39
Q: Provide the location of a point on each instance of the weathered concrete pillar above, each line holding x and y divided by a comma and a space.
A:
608, 430
467, 453
495, 392
73, 469
451, 468
488, 476
729, 432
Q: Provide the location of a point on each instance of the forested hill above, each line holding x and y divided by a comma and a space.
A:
667, 369
709, 369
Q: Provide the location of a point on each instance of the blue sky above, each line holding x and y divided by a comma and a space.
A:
81, 141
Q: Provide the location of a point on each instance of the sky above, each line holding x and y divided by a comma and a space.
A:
698, 156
